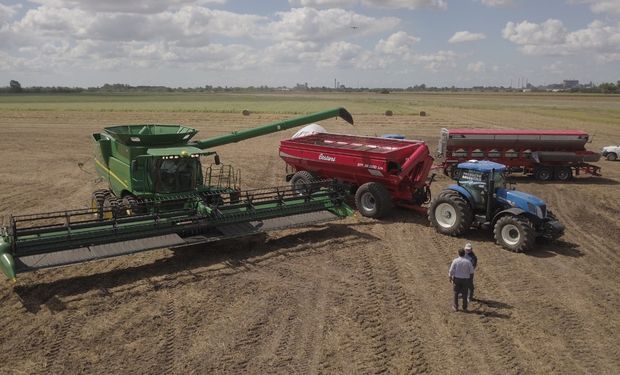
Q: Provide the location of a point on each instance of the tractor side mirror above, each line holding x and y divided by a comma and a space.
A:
217, 159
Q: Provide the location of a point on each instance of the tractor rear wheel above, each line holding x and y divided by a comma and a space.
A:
563, 173
612, 156
450, 214
514, 233
302, 183
543, 173
373, 200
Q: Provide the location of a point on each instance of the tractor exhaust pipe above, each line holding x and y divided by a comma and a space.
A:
490, 193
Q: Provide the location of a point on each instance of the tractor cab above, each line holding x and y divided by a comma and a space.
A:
479, 177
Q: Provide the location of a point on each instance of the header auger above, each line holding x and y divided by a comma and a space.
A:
159, 195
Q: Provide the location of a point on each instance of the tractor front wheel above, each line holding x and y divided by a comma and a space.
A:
514, 233
450, 214
373, 200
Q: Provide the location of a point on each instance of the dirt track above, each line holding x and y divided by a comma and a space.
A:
354, 296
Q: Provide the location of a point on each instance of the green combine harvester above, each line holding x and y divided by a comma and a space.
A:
160, 196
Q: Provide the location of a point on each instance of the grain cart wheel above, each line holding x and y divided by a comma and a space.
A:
302, 182
563, 173
543, 174
514, 233
373, 200
96, 202
450, 214
612, 156
112, 207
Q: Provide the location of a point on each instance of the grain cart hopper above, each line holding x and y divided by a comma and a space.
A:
160, 196
480, 199
382, 172
544, 154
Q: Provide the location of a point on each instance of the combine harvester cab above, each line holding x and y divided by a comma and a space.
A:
544, 154
160, 196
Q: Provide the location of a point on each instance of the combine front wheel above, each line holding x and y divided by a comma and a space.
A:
450, 214
97, 201
373, 200
514, 233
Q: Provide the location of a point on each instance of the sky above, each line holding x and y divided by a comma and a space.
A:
360, 43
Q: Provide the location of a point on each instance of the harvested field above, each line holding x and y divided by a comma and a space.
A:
354, 296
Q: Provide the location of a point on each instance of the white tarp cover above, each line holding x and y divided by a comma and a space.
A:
308, 130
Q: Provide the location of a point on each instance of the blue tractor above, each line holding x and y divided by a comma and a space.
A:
480, 199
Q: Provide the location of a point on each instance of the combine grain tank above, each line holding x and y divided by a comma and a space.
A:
546, 154
382, 171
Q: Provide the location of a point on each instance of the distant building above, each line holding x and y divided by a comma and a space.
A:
571, 83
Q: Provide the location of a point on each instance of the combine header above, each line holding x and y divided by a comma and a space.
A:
160, 196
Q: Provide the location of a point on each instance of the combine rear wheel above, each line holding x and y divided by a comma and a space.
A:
450, 214
563, 173
373, 200
302, 182
514, 233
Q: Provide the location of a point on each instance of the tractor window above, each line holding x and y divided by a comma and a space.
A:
176, 175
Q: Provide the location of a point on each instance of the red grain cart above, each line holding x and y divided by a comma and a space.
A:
382, 172
545, 154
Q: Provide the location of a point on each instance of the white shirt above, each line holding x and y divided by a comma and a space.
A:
461, 268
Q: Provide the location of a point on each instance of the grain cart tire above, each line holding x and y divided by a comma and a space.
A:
514, 233
112, 207
543, 174
612, 156
96, 202
563, 173
302, 182
450, 214
373, 200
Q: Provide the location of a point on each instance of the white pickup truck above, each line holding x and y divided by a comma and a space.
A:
611, 152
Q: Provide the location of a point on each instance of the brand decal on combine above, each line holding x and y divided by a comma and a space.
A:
327, 157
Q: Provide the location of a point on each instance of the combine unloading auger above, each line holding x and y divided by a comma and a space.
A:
159, 196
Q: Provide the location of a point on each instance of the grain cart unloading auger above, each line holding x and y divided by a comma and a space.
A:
159, 196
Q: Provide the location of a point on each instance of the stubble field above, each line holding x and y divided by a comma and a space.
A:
354, 296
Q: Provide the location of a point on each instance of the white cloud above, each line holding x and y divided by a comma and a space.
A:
497, 3
466, 36
308, 24
440, 60
399, 43
552, 38
602, 6
7, 12
476, 67
123, 6
386, 4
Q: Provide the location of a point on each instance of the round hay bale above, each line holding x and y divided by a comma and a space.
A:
422, 113
246, 112
389, 113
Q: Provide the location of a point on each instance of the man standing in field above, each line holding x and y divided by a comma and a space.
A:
470, 256
459, 273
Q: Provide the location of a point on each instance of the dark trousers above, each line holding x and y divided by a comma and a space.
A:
470, 287
460, 287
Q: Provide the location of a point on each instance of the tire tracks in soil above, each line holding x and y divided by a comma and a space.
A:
60, 344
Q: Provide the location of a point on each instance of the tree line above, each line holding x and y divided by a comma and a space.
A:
16, 88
